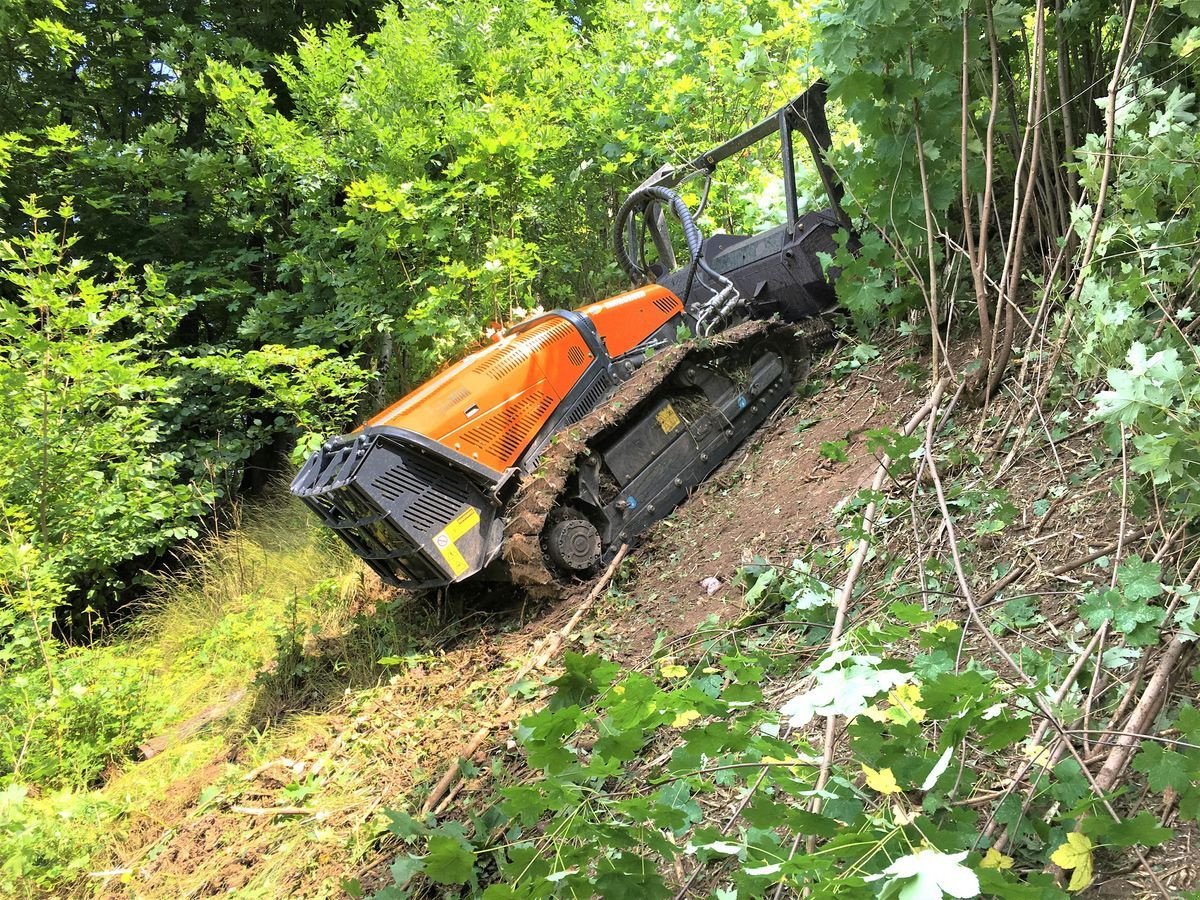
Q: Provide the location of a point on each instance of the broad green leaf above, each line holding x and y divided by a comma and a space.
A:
1142, 829
1164, 768
449, 860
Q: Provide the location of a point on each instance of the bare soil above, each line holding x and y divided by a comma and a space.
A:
776, 496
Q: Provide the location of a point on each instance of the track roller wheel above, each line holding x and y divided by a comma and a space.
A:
573, 543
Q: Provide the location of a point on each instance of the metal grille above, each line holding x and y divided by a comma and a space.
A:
576, 356
504, 433
330, 484
666, 304
589, 401
434, 497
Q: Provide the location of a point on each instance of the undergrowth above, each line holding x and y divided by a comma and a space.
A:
913, 753
233, 619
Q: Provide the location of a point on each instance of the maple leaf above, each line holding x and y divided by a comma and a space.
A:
1140, 580
906, 704
994, 859
881, 780
1126, 613
1076, 854
685, 718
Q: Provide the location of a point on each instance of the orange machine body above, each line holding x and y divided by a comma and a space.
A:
491, 405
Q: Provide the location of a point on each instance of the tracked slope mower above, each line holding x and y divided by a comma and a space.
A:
535, 458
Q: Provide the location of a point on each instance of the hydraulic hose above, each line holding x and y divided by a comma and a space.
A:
711, 314
638, 201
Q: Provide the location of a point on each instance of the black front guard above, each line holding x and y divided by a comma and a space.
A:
418, 513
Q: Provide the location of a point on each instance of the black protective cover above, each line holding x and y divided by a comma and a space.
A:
417, 512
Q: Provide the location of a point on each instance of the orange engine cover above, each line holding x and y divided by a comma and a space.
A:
492, 404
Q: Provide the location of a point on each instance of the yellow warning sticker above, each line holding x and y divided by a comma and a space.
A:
445, 539
668, 419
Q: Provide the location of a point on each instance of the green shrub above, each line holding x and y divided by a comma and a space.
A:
47, 841
63, 726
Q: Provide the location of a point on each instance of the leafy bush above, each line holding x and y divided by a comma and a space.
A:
595, 819
1137, 304
46, 841
89, 481
1141, 286
63, 723
110, 458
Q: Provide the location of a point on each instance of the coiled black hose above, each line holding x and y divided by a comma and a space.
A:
639, 201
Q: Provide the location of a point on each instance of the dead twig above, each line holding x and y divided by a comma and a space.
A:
1143, 714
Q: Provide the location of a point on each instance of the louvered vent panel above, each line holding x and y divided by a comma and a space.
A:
455, 399
505, 433
666, 304
522, 347
589, 401
434, 497
576, 356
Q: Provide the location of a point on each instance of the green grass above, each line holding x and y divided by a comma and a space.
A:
233, 625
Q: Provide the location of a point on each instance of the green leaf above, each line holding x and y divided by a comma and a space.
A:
629, 877
835, 450
1164, 768
1070, 785
1126, 615
1188, 723
405, 867
583, 678
1140, 580
402, 825
677, 796
1004, 885
1142, 829
450, 860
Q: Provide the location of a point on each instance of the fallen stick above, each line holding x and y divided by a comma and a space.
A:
1136, 534
538, 659
1143, 714
451, 796
273, 810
